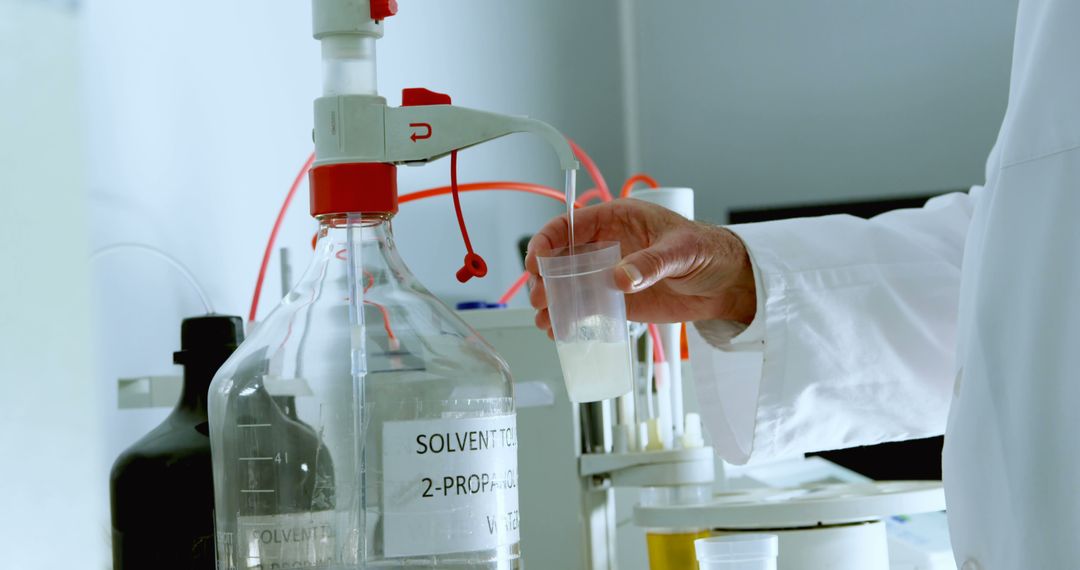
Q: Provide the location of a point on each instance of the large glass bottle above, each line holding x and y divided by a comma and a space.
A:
402, 452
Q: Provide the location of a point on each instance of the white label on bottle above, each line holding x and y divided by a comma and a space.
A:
296, 540
450, 485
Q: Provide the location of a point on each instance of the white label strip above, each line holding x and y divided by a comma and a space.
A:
450, 485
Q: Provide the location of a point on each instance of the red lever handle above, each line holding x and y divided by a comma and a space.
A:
418, 96
383, 9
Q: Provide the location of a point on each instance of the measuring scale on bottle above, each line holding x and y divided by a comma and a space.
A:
286, 492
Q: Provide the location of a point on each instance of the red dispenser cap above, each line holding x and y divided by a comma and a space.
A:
364, 187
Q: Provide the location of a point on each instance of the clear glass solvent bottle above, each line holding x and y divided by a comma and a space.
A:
364, 425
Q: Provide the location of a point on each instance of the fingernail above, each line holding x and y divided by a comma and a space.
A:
634, 274
532, 282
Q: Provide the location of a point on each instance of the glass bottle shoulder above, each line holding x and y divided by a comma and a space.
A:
407, 336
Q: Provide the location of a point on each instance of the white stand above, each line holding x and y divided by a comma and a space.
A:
838, 527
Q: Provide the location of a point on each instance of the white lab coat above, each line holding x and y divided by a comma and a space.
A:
967, 310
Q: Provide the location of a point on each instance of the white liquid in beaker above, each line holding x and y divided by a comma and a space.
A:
595, 370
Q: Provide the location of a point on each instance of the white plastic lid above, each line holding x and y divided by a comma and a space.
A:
737, 547
678, 200
692, 436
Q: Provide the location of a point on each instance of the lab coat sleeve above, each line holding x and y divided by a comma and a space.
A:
854, 338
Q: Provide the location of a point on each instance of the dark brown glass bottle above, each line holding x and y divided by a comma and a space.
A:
162, 486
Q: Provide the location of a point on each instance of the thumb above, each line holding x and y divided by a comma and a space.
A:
642, 269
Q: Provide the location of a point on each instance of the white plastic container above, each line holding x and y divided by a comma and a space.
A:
588, 317
737, 552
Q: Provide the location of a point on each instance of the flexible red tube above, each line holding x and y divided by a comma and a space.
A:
385, 319
592, 169
413, 196
474, 265
513, 290
476, 186
273, 235
454, 191
479, 186
600, 191
639, 177
385, 314
590, 194
658, 346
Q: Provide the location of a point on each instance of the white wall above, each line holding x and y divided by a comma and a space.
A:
51, 469
199, 114
762, 103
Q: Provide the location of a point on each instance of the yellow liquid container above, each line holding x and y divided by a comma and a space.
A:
673, 550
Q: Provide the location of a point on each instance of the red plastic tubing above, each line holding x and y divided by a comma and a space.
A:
536, 189
513, 290
477, 186
591, 194
601, 192
273, 235
592, 169
639, 177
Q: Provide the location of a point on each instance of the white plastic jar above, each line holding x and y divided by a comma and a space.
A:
737, 552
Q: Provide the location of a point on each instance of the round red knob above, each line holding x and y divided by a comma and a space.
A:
383, 9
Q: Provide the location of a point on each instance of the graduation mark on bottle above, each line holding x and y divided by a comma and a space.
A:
293, 540
450, 485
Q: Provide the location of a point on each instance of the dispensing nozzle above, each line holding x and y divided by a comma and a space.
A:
362, 128
424, 130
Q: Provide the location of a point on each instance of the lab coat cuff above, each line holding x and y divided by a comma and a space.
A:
733, 335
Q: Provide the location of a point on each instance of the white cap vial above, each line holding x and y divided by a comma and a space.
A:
737, 552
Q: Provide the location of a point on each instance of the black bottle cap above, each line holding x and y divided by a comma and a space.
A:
209, 334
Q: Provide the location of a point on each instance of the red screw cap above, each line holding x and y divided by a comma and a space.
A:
366, 187
383, 9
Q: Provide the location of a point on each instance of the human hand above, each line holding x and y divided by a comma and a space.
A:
673, 269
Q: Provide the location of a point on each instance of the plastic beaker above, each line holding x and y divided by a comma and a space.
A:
588, 318
737, 552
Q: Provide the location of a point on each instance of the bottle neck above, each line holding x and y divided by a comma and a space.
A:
357, 258
368, 227
198, 373
367, 238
